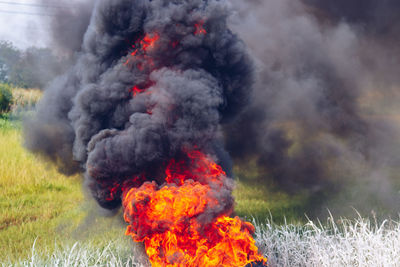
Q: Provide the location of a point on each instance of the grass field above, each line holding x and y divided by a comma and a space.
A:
35, 200
46, 220
37, 204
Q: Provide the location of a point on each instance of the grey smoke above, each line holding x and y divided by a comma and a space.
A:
69, 23
372, 17
308, 126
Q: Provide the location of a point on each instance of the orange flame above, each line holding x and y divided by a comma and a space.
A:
136, 90
149, 41
142, 47
200, 167
173, 222
186, 221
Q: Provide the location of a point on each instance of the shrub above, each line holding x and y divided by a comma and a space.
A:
24, 99
6, 98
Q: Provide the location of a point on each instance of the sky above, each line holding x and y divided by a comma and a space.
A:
23, 22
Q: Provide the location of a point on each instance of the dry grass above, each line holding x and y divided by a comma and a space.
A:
358, 243
25, 99
117, 253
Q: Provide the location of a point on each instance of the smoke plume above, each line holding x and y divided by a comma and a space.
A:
315, 121
140, 113
321, 116
97, 118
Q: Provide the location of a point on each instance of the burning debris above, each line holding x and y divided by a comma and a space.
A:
140, 113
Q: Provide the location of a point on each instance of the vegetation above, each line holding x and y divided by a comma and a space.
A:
35, 199
32, 68
24, 99
117, 253
255, 199
45, 220
6, 98
39, 205
359, 242
9, 55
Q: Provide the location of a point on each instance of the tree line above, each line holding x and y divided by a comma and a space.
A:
30, 68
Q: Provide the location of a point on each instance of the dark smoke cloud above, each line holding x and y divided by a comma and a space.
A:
311, 123
88, 120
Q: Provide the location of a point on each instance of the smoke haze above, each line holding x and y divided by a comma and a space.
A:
315, 121
69, 24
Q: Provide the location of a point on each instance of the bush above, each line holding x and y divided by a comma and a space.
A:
6, 98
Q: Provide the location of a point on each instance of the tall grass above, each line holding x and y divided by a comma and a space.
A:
114, 253
359, 242
24, 100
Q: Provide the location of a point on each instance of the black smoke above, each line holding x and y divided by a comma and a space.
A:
318, 118
322, 115
89, 120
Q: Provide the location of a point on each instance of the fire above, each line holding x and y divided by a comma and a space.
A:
149, 40
136, 90
142, 47
186, 221
199, 28
175, 221
200, 167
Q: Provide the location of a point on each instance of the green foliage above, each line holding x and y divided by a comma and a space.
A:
35, 68
5, 123
9, 56
6, 98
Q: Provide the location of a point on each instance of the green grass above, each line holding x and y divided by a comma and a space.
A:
263, 199
261, 202
34, 198
39, 205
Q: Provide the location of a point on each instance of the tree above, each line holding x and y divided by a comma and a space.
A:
9, 56
6, 98
35, 68
32, 68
